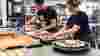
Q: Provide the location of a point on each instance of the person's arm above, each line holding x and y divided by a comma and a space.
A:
75, 28
53, 24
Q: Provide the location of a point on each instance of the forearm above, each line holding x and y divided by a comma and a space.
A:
48, 27
75, 28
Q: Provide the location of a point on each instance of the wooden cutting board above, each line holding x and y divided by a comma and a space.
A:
9, 39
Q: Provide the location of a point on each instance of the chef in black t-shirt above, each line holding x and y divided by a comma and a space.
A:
82, 23
77, 21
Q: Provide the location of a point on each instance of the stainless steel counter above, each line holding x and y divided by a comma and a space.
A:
48, 51
91, 52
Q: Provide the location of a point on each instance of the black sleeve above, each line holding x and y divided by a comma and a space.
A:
73, 20
81, 17
82, 13
51, 11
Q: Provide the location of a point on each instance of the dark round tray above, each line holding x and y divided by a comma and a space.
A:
56, 46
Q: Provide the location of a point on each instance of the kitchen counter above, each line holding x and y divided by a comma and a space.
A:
48, 51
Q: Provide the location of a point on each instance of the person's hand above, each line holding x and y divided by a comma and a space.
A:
51, 36
44, 35
59, 35
36, 34
44, 32
75, 28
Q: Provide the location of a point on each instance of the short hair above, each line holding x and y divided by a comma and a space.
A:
49, 12
73, 3
39, 1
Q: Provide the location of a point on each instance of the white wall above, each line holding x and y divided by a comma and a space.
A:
3, 6
89, 7
3, 10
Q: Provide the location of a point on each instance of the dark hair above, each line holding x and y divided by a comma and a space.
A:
39, 1
73, 3
49, 12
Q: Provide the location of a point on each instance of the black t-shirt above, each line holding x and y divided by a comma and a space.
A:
80, 19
